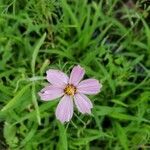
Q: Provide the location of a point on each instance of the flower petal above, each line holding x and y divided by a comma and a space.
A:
50, 93
83, 103
89, 86
64, 110
57, 77
76, 75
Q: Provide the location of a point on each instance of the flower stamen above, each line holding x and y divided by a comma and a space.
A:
70, 90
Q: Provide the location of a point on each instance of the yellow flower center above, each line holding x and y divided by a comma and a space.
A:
70, 90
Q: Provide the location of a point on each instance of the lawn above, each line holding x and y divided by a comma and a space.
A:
110, 39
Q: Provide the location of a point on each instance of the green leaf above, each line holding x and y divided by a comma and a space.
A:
121, 133
63, 144
35, 52
12, 103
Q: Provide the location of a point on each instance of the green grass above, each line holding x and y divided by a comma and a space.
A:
109, 38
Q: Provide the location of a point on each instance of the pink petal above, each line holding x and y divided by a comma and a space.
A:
76, 75
64, 110
50, 93
89, 86
57, 77
83, 103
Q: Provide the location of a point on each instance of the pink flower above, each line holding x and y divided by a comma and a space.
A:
72, 90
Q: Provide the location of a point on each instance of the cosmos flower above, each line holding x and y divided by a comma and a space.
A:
72, 90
